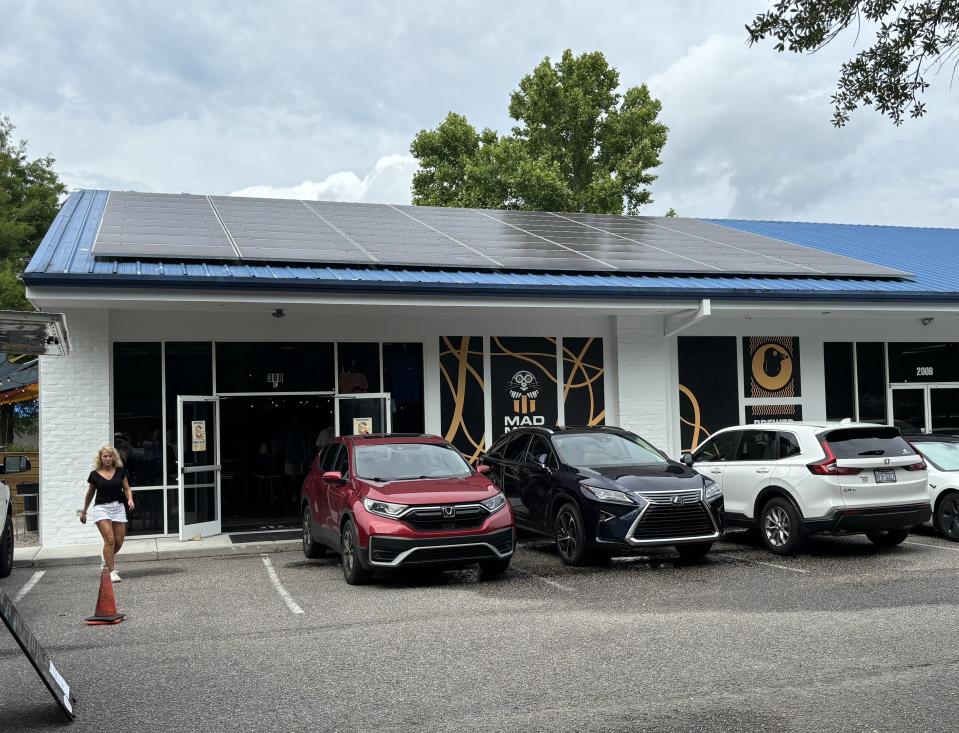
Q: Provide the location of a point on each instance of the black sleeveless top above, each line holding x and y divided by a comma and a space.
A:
108, 489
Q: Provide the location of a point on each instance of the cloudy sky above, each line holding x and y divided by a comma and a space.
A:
321, 100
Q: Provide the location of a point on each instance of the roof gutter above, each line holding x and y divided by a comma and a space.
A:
674, 324
38, 280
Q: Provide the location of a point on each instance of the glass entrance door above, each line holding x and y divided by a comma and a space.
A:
909, 409
929, 408
198, 466
363, 413
944, 410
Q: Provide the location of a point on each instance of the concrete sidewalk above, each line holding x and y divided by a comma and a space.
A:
142, 550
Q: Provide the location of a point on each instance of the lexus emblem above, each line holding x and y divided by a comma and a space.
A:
886, 461
449, 512
675, 499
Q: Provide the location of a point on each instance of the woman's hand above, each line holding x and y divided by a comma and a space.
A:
130, 504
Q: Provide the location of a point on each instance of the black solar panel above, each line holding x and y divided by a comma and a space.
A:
182, 226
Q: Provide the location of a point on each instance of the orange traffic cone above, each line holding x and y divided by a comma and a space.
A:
106, 611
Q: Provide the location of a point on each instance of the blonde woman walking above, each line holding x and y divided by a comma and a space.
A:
109, 485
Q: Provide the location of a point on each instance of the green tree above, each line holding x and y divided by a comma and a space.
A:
911, 40
579, 145
30, 194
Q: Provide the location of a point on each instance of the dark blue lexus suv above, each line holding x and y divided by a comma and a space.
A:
601, 491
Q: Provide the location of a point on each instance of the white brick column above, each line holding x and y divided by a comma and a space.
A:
74, 422
644, 379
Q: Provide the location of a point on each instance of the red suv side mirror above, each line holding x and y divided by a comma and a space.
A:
332, 476
482, 469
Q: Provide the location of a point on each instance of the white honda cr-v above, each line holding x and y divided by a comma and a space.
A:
789, 480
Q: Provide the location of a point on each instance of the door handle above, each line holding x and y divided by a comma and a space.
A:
762, 470
716, 470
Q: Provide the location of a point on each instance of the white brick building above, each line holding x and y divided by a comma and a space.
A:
294, 319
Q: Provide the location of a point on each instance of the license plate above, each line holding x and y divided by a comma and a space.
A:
885, 476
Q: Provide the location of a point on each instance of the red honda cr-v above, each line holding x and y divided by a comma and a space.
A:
388, 501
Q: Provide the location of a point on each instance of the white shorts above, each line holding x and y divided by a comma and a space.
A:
113, 511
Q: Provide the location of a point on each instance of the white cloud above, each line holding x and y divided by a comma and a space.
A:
388, 183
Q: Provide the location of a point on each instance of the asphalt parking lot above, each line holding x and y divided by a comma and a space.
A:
844, 638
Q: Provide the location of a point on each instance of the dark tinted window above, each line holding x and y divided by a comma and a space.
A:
274, 367
757, 445
189, 371
147, 518
865, 442
788, 445
138, 411
720, 448
514, 450
924, 362
871, 371
342, 462
403, 379
840, 389
359, 366
328, 459
539, 446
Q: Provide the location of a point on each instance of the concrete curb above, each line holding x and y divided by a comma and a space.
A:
37, 557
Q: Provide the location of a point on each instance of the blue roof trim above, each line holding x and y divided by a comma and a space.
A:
64, 259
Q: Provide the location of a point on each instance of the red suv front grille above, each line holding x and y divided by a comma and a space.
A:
432, 518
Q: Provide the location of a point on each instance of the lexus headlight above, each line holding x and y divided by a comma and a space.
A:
712, 489
384, 508
609, 495
494, 503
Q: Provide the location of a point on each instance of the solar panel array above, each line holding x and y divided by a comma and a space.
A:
184, 226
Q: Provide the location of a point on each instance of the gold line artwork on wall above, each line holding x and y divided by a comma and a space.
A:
696, 423
464, 428
592, 374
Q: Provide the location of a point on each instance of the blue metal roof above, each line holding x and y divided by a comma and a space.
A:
64, 259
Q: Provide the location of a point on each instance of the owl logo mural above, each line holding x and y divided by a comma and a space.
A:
524, 389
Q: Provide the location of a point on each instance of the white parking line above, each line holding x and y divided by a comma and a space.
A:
760, 562
553, 583
934, 547
287, 598
28, 586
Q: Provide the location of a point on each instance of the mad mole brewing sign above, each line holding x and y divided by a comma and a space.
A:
771, 366
772, 413
37, 655
523, 382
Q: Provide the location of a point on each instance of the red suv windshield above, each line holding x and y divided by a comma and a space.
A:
405, 461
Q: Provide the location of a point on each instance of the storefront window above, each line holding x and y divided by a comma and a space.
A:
359, 368
274, 367
147, 517
137, 411
840, 387
871, 374
189, 371
403, 379
924, 362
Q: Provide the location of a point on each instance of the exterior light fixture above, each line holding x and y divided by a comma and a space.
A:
278, 313
927, 320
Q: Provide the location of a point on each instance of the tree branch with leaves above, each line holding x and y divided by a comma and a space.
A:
30, 194
912, 40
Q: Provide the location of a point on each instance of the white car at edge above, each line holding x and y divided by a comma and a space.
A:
793, 479
942, 456
11, 464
